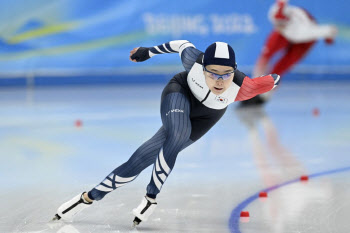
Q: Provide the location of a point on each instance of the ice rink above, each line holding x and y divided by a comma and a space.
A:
47, 158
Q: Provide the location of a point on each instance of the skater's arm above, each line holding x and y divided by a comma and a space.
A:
297, 25
186, 50
310, 32
252, 87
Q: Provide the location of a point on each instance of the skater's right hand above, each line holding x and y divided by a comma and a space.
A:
139, 54
333, 34
277, 78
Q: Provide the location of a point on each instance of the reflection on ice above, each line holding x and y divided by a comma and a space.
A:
45, 160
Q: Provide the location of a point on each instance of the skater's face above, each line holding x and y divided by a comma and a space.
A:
216, 84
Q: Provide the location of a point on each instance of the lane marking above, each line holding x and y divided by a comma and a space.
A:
235, 214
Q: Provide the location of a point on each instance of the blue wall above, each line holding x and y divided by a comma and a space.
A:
53, 42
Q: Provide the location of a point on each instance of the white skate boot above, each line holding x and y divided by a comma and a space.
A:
144, 210
69, 209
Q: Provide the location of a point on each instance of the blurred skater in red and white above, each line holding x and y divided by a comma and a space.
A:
294, 33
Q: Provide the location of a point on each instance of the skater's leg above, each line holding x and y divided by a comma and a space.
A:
274, 43
175, 112
143, 157
293, 55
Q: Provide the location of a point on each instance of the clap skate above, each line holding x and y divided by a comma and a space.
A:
69, 209
144, 210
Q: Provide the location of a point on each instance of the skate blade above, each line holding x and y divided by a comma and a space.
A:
56, 217
134, 224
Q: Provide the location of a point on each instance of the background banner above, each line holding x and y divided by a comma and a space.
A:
41, 38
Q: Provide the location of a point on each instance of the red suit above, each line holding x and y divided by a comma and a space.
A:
295, 32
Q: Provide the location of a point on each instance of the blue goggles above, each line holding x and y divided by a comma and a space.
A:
218, 76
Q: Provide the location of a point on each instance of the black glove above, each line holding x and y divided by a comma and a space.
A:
141, 54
